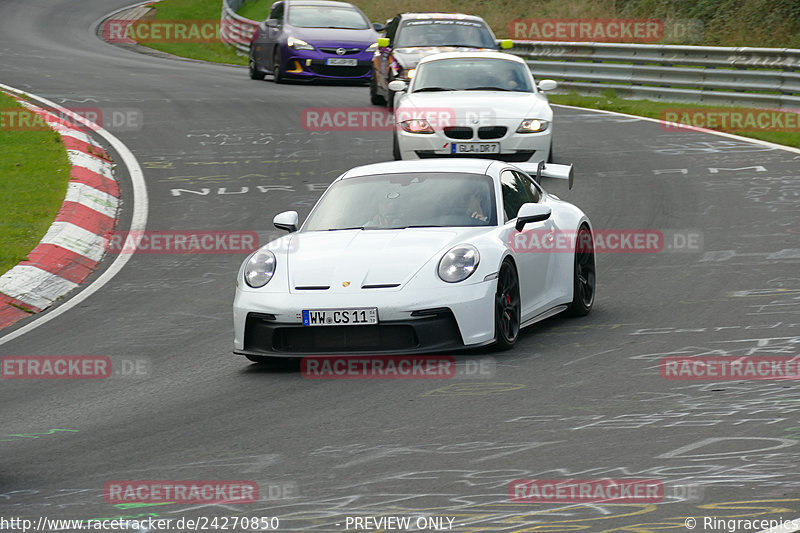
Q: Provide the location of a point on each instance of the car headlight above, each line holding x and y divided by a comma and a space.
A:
459, 263
416, 125
298, 44
259, 269
372, 47
410, 73
532, 125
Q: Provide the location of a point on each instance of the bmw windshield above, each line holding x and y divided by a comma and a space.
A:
395, 201
472, 74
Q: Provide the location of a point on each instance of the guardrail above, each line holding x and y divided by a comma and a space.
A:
760, 77
236, 30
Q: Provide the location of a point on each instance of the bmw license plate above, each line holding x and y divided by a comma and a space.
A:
341, 61
340, 317
475, 148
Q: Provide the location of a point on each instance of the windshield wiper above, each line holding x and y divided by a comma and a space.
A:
417, 226
343, 229
431, 89
487, 89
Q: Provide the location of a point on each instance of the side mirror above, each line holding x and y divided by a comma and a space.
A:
532, 213
378, 26
383, 42
286, 221
547, 85
272, 23
397, 85
505, 44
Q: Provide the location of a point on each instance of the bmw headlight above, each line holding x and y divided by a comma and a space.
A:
459, 263
532, 125
416, 125
298, 44
259, 269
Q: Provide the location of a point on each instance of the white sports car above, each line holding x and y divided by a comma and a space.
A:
479, 104
413, 257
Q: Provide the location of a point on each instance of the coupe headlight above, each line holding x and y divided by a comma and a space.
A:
459, 263
372, 47
259, 269
298, 44
416, 125
532, 125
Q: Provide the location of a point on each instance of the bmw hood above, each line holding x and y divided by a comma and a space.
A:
363, 258
408, 57
485, 105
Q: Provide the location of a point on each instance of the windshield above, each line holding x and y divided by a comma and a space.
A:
444, 32
472, 74
327, 17
394, 201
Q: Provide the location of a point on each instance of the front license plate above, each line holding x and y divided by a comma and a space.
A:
475, 148
341, 61
340, 317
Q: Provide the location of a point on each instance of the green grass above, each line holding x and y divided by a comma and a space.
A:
210, 10
35, 171
610, 102
256, 9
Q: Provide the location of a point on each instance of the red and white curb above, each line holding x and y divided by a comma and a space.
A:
73, 246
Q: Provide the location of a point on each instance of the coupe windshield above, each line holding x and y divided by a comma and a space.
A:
393, 201
444, 32
472, 74
327, 17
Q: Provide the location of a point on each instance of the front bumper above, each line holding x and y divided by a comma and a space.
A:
514, 147
310, 64
410, 322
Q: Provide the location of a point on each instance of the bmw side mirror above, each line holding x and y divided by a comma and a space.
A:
286, 221
532, 212
547, 85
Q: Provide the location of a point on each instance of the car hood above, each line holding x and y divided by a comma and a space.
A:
364, 257
484, 105
409, 56
335, 37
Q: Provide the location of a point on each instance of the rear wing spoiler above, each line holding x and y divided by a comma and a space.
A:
548, 170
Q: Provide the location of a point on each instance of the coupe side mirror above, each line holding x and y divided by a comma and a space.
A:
532, 213
397, 85
383, 42
286, 221
505, 44
378, 26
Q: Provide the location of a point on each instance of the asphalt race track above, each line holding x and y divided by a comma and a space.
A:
577, 398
